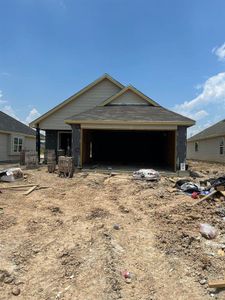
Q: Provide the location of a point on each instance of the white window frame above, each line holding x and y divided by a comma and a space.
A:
221, 146
19, 138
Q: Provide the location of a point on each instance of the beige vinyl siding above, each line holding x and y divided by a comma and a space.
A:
30, 144
129, 97
6, 142
86, 101
4, 146
208, 150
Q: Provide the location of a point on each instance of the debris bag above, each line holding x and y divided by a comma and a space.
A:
208, 231
218, 181
146, 174
214, 182
11, 174
180, 182
190, 187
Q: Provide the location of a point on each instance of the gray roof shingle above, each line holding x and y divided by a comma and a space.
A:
10, 124
131, 113
217, 129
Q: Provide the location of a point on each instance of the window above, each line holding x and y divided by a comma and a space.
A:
196, 147
17, 144
65, 142
222, 146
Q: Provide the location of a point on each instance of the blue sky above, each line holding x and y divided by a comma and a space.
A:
173, 51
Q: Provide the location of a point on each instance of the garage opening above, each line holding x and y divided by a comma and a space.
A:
147, 149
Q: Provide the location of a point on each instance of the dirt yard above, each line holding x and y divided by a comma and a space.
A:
74, 239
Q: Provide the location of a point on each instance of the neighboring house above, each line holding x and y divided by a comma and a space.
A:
208, 144
110, 124
14, 137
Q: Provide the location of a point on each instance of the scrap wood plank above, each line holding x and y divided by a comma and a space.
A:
42, 187
30, 190
217, 284
205, 197
16, 186
222, 192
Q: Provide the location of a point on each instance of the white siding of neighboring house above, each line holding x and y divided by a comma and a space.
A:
208, 150
6, 146
129, 97
96, 95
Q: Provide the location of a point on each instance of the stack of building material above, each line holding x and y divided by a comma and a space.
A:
51, 161
31, 159
65, 166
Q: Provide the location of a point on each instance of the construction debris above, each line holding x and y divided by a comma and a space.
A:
217, 284
12, 174
16, 186
146, 174
31, 159
65, 166
30, 190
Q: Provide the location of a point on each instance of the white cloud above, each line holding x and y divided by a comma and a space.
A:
9, 110
209, 103
213, 91
220, 52
33, 114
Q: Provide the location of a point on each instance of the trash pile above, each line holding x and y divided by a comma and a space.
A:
146, 174
10, 175
206, 188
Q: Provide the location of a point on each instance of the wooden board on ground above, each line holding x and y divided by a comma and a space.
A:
16, 186
217, 284
30, 190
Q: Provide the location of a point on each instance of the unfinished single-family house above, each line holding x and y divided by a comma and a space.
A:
109, 124
209, 144
14, 137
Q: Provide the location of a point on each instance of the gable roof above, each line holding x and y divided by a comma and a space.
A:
215, 130
135, 91
76, 95
9, 124
130, 114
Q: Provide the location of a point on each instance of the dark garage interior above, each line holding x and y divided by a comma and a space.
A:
121, 148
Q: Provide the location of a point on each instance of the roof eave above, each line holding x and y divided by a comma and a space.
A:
179, 123
193, 139
18, 133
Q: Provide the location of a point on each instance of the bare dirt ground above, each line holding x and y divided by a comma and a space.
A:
60, 242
